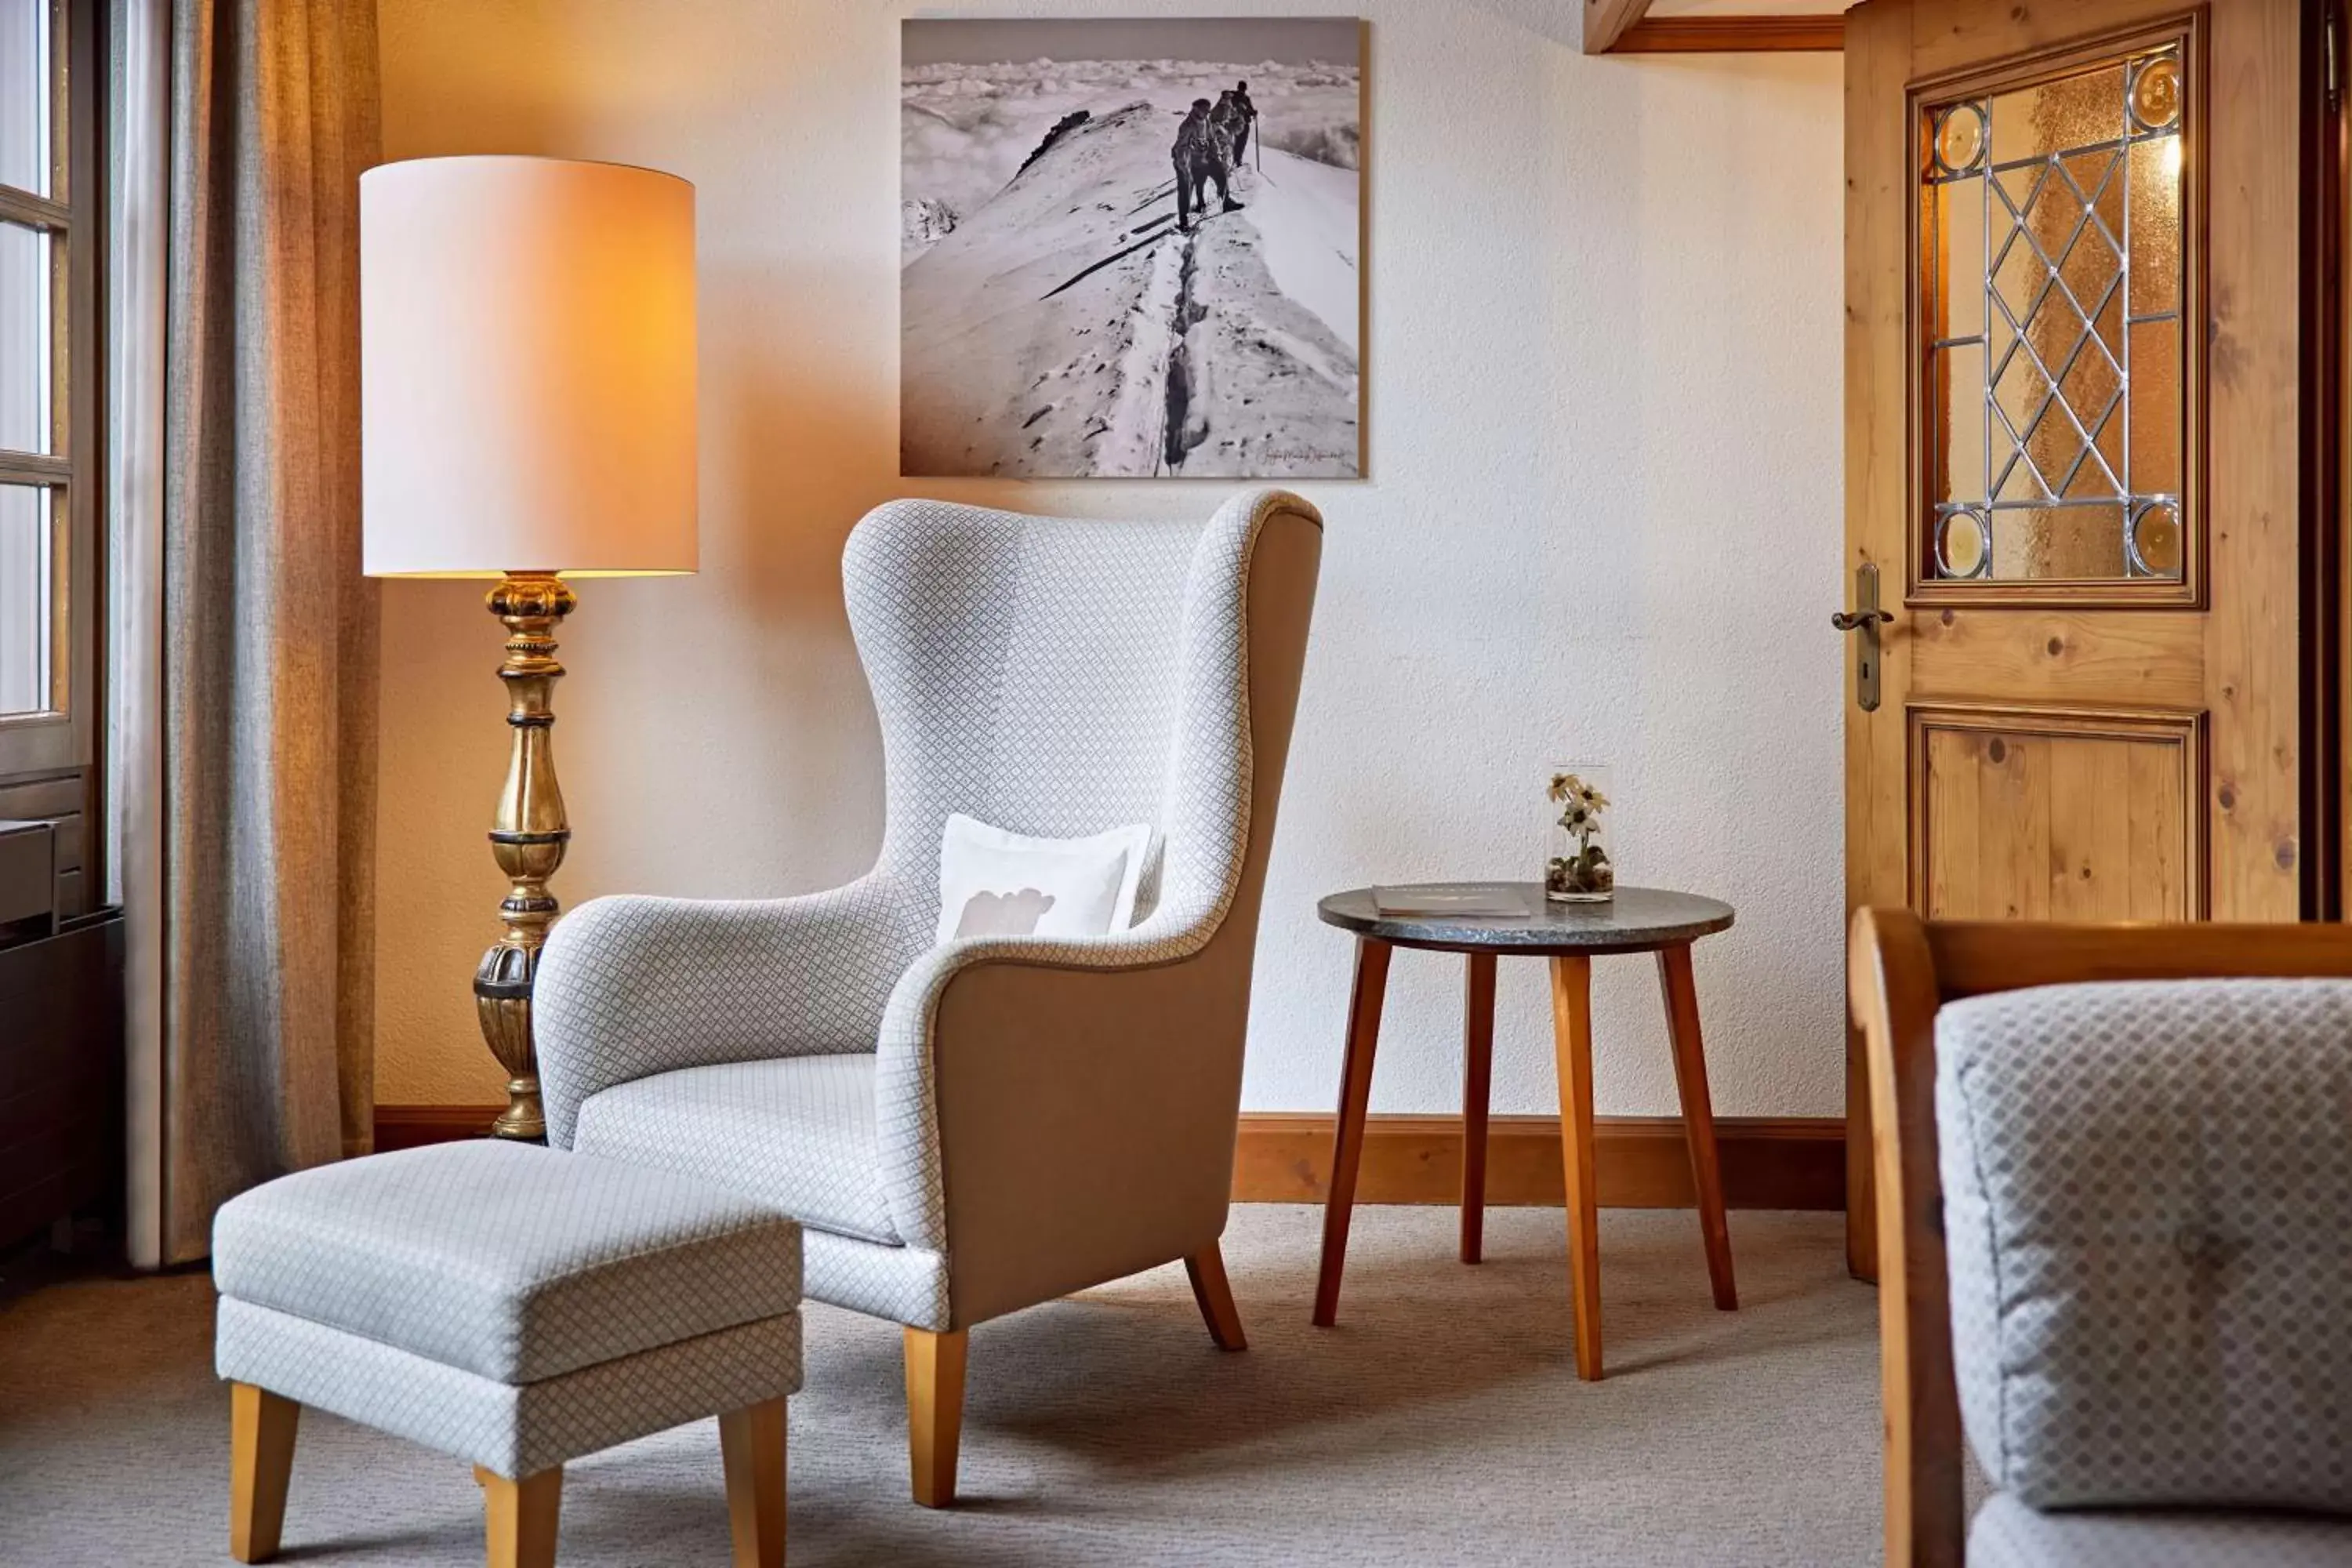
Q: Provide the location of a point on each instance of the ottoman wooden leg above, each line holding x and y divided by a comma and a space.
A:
752, 1448
934, 1411
261, 1457
522, 1517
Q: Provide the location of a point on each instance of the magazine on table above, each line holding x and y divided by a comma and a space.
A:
1497, 900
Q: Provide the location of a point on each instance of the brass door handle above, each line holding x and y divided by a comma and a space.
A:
1866, 618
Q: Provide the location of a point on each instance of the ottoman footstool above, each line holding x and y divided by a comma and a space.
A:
515, 1307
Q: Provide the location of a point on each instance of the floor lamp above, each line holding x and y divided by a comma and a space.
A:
527, 415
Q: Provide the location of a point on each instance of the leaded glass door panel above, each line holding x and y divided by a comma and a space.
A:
2052, 263
2074, 438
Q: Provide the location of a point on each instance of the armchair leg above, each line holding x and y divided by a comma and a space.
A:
934, 1411
1215, 1295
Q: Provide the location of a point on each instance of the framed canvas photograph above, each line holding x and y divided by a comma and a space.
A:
1130, 248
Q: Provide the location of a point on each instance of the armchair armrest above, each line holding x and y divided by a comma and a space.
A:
633, 985
1069, 1104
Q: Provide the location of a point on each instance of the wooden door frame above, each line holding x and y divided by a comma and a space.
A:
2327, 444
1878, 398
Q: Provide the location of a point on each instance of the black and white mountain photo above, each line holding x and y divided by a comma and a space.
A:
1130, 248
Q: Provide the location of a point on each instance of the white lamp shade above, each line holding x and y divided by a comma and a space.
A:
526, 368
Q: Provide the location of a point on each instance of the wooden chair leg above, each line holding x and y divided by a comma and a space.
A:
1348, 1138
1861, 1169
1698, 1118
1215, 1295
752, 1448
1571, 1016
522, 1517
261, 1428
1477, 1081
935, 1364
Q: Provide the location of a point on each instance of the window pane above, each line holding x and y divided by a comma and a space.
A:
27, 573
2155, 224
24, 109
25, 323
1959, 399
2042, 543
2074, 268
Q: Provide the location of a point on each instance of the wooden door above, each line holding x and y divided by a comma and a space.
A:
2074, 357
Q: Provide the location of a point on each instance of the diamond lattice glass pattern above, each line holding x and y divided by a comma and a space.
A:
2050, 266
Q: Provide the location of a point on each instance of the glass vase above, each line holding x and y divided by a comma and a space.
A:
1577, 865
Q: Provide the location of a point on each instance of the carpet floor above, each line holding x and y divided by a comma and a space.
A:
1442, 1422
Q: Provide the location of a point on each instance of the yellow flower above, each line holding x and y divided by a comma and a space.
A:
1566, 788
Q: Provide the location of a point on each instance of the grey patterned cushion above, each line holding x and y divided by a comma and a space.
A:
1054, 676
2008, 1534
797, 1132
514, 1429
514, 1264
2148, 1198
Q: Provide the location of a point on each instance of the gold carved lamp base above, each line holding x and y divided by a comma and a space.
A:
528, 838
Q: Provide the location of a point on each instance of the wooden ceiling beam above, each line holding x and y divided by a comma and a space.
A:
1731, 35
1605, 22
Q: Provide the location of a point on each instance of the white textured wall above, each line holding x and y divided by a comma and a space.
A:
1602, 521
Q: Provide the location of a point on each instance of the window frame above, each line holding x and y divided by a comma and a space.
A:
50, 757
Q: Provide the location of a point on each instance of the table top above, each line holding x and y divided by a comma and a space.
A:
1635, 920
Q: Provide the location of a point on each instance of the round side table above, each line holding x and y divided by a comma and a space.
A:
1638, 920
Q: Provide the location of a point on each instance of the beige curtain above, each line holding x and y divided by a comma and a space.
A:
269, 631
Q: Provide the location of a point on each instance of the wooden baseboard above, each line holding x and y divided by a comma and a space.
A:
1768, 1162
413, 1126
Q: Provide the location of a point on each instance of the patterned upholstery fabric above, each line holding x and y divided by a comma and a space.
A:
2148, 1193
1050, 676
512, 1263
2008, 1534
797, 1132
514, 1429
904, 1284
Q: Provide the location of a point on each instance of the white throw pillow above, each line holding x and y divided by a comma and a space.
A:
994, 883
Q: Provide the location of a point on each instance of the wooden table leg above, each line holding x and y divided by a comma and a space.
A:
1571, 1022
1478, 1080
1347, 1138
1698, 1117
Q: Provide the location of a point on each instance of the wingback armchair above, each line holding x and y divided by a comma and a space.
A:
2115, 1228
969, 1128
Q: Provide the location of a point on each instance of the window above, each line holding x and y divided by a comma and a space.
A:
49, 447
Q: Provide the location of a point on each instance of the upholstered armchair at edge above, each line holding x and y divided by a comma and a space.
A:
969, 1128
2114, 1196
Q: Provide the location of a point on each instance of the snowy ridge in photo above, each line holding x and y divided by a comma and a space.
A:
1059, 318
